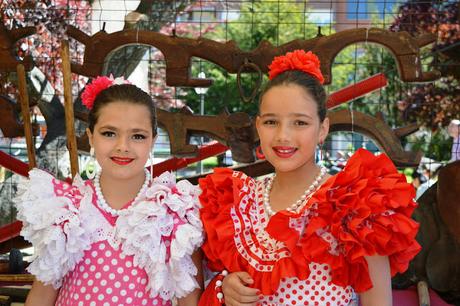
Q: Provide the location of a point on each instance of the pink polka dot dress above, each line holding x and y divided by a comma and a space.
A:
106, 277
142, 256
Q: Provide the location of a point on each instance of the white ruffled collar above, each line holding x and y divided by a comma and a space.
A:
167, 211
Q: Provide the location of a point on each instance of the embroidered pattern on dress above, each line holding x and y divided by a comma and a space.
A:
249, 220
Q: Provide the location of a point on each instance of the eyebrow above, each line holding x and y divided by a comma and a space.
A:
112, 128
291, 114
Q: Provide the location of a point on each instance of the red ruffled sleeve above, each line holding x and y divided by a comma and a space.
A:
362, 211
228, 196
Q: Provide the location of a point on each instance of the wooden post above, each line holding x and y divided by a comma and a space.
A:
25, 109
68, 106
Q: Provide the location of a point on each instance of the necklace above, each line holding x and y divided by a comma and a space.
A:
295, 207
102, 203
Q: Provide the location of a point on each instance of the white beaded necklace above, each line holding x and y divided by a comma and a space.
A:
295, 207
102, 203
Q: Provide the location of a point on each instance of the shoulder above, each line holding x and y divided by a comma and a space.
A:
362, 211
50, 213
42, 193
224, 179
221, 176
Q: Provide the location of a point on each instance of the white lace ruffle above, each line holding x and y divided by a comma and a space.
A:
167, 212
161, 231
53, 225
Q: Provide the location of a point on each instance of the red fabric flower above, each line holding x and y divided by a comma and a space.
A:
296, 60
97, 85
92, 90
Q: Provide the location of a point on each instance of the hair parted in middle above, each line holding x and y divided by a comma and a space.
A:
302, 69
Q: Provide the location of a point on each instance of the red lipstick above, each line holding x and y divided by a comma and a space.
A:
121, 160
284, 152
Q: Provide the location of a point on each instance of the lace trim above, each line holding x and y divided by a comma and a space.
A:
161, 231
53, 225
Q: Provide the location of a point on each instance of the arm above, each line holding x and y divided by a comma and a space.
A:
41, 295
193, 297
379, 272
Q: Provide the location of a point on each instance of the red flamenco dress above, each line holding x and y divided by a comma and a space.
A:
316, 256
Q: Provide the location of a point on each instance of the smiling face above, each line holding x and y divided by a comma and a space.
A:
289, 128
122, 140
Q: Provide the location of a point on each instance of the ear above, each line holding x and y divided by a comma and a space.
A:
323, 130
90, 137
258, 124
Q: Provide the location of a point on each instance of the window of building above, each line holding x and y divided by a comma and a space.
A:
385, 7
358, 9
320, 17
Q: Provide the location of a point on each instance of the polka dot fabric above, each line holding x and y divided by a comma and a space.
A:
105, 277
316, 290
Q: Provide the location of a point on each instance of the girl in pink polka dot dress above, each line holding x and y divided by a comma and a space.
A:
121, 238
301, 236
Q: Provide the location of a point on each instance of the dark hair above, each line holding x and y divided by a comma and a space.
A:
306, 81
122, 93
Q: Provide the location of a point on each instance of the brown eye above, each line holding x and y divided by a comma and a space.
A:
108, 134
269, 122
301, 123
139, 137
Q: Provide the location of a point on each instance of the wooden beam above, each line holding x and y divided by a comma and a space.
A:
68, 105
25, 109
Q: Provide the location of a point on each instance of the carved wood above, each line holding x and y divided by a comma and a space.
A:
11, 124
376, 129
8, 39
233, 130
178, 52
237, 131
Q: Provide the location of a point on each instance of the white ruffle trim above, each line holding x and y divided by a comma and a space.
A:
161, 231
168, 211
52, 224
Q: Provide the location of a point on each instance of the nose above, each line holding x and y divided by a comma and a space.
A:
283, 133
122, 144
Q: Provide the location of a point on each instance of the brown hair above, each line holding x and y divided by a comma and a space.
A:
127, 93
309, 83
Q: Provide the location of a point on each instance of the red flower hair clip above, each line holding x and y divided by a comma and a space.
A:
97, 85
307, 62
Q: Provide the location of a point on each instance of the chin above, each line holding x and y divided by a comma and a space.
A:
285, 166
122, 174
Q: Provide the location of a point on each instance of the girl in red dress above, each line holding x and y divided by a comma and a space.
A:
301, 236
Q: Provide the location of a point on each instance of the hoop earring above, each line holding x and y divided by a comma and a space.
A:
151, 166
259, 153
321, 152
90, 167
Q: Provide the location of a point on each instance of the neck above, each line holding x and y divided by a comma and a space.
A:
118, 192
289, 189
300, 177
